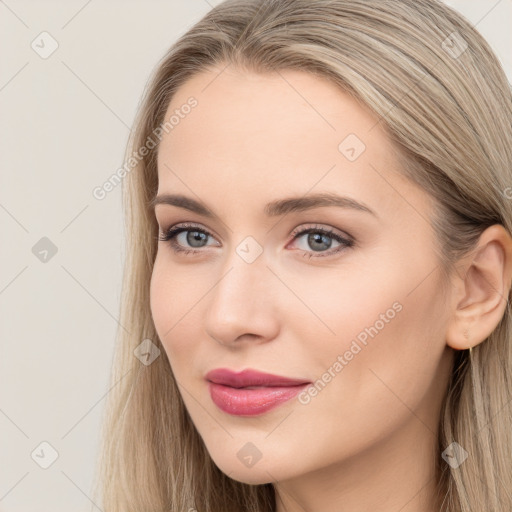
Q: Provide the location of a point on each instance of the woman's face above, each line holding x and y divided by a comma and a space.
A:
353, 306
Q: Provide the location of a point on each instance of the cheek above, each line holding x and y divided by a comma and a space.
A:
172, 294
337, 306
372, 295
166, 295
380, 330
174, 302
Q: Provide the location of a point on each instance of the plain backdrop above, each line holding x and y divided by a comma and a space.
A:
64, 123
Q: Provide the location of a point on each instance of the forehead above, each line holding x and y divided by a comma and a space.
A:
244, 109
277, 134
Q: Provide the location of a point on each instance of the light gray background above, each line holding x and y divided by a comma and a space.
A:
64, 124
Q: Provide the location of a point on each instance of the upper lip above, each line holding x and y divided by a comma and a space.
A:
250, 377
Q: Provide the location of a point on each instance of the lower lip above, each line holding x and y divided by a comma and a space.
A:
250, 402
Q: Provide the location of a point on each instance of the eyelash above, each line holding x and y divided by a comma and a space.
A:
170, 234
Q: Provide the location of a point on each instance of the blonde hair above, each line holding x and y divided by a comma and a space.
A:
440, 93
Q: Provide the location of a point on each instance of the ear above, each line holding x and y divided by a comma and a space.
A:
481, 288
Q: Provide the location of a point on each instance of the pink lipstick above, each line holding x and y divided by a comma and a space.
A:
250, 392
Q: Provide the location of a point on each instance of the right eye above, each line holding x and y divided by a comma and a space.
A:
192, 235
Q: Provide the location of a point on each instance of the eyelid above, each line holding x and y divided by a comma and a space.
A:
188, 226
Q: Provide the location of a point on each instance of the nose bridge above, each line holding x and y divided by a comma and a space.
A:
240, 301
241, 282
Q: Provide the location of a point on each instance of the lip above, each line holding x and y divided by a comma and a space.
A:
250, 392
249, 377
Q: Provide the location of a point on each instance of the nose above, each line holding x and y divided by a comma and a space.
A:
242, 304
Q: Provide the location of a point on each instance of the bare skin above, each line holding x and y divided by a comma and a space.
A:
367, 440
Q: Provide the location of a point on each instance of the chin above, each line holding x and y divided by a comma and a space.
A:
249, 476
253, 472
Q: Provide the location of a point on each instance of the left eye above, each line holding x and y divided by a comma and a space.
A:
318, 239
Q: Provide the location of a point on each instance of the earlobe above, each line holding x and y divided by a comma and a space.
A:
481, 289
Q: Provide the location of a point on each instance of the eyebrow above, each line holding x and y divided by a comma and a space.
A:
272, 209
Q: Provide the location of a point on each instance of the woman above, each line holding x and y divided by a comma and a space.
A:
319, 263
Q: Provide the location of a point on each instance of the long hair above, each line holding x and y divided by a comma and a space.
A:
443, 98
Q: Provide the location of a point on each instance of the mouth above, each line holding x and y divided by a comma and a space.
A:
250, 392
